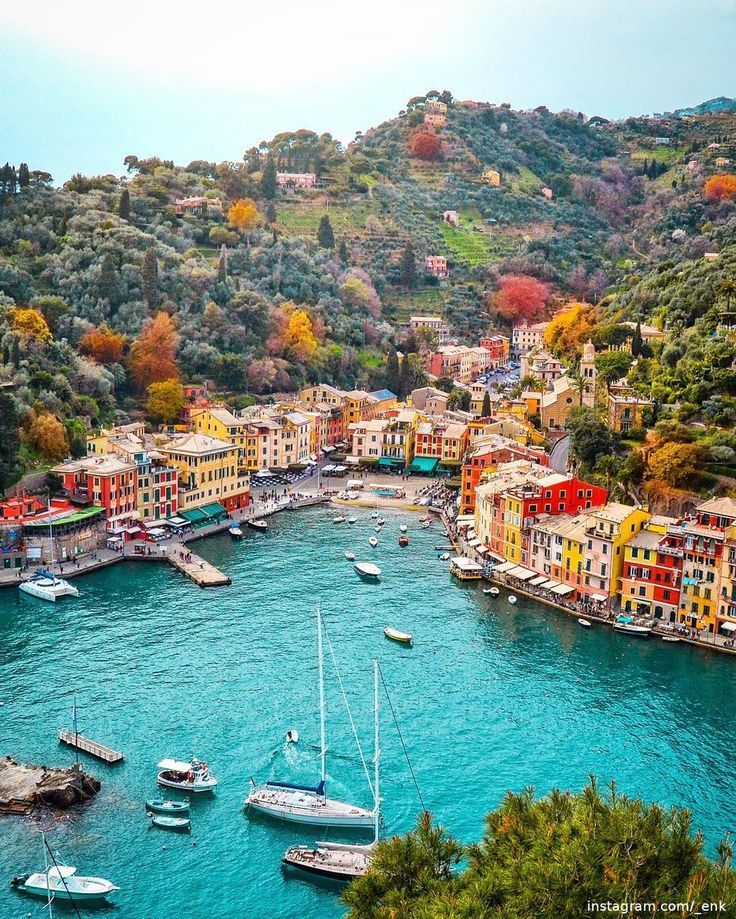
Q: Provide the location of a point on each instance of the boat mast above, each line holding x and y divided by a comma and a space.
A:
322, 742
376, 754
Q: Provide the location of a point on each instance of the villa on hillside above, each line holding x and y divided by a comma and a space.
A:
451, 217
491, 177
435, 119
197, 206
287, 180
436, 265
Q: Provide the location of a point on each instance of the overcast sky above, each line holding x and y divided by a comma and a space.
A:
82, 87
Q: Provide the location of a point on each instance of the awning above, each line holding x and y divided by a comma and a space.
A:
548, 585
326, 470
465, 564
464, 520
390, 461
535, 582
328, 449
562, 590
214, 510
481, 550
522, 573
474, 542
426, 464
506, 566
728, 626
599, 598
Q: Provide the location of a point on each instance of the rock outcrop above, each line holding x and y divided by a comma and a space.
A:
25, 788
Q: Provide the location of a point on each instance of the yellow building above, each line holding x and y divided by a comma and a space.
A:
608, 529
208, 471
625, 411
557, 402
513, 509
491, 177
222, 424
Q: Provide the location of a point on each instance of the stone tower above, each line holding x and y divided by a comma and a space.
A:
588, 373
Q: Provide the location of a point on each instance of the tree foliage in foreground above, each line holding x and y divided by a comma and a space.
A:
547, 858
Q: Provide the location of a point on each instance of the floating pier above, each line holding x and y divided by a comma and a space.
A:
197, 569
100, 751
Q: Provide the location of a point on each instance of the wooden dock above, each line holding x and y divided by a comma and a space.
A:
197, 569
98, 750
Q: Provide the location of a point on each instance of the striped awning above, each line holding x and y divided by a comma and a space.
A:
562, 590
522, 573
501, 569
539, 580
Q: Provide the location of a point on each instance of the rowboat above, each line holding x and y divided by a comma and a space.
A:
403, 540
491, 591
171, 823
368, 570
352, 519
395, 635
168, 807
512, 599
377, 528
373, 541
339, 519
585, 623
350, 556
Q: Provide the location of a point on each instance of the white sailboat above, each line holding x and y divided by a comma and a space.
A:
46, 586
303, 803
343, 861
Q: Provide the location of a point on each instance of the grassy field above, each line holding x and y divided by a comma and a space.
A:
400, 304
467, 245
668, 155
301, 218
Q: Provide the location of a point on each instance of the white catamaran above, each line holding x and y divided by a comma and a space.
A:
303, 803
343, 861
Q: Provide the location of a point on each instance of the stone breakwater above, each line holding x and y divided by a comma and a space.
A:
24, 788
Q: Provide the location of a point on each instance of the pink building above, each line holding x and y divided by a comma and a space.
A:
435, 119
296, 179
200, 206
436, 265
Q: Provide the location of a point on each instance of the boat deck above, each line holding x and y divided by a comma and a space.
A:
98, 750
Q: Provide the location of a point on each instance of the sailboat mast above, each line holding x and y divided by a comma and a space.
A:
322, 741
376, 754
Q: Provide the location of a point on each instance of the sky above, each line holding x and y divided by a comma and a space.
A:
84, 82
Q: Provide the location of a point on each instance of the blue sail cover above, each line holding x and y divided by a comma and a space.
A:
319, 790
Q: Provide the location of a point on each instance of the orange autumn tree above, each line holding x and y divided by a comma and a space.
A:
31, 325
721, 187
519, 297
244, 215
104, 345
165, 400
425, 145
299, 337
44, 433
152, 356
567, 332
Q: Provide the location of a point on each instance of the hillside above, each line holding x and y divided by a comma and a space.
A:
274, 296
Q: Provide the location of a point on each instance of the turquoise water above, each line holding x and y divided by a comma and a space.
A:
489, 698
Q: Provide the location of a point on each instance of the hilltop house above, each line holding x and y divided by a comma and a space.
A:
436, 265
287, 180
198, 206
435, 119
491, 177
451, 217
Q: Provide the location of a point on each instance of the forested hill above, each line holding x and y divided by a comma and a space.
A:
263, 289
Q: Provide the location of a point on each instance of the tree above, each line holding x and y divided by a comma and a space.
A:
391, 379
612, 365
342, 252
9, 440
299, 338
675, 463
124, 205
589, 437
425, 145
519, 298
408, 267
149, 278
547, 858
486, 408
268, 179
165, 400
325, 233
720, 188
104, 345
46, 435
230, 372
405, 377
24, 176
566, 333
271, 215
459, 400
30, 325
244, 215
152, 356
637, 342
53, 309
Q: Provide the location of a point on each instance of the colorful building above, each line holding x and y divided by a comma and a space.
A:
105, 480
608, 529
652, 572
208, 472
439, 443
436, 265
485, 455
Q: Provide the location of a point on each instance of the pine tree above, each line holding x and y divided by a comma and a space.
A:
149, 278
24, 176
124, 205
271, 214
408, 268
325, 234
392, 371
405, 376
637, 341
342, 252
486, 408
268, 179
108, 281
222, 265
9, 440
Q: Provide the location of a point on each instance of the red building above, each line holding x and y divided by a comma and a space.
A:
105, 481
499, 346
490, 453
652, 574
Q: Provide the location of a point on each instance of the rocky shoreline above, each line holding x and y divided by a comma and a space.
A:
25, 788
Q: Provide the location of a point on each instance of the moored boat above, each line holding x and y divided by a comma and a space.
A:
193, 776
403, 638
257, 524
403, 540
170, 823
160, 806
491, 591
339, 519
672, 639
46, 586
380, 521
352, 519
61, 882
368, 570
445, 557
350, 556
627, 626
235, 531
512, 599
373, 541
426, 524
403, 527
585, 623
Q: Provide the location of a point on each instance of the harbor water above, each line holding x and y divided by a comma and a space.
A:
490, 698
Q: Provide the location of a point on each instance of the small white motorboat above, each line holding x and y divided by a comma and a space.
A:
350, 556
257, 524
368, 570
375, 515
380, 522
352, 519
192, 776
235, 531
426, 524
377, 528
292, 736
403, 638
627, 625
444, 557
46, 586
373, 541
491, 591
585, 623
512, 599
672, 639
63, 883
339, 519
403, 527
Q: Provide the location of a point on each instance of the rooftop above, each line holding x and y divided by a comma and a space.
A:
196, 445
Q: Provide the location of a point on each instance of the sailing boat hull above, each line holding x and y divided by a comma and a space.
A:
324, 863
300, 807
